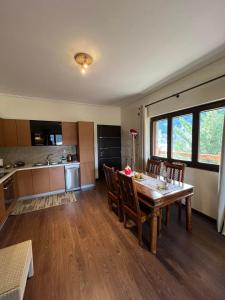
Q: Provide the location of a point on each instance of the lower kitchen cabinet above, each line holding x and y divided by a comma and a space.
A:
57, 179
2, 205
24, 183
41, 180
87, 173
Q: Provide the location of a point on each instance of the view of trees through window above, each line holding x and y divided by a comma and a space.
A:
160, 137
182, 137
210, 135
193, 135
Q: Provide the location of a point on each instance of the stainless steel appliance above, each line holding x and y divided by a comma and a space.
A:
9, 193
72, 177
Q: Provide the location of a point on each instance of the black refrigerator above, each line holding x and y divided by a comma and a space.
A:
109, 147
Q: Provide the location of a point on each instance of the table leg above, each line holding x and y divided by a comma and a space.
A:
188, 214
153, 232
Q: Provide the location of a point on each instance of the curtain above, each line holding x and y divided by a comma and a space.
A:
221, 200
142, 136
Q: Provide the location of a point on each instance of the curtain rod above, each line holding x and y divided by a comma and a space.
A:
184, 91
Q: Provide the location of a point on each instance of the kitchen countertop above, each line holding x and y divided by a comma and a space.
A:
12, 171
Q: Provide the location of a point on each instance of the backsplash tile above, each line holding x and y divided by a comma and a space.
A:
31, 155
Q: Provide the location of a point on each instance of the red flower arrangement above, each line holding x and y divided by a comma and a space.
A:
133, 132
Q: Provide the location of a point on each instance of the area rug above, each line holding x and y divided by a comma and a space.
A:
25, 206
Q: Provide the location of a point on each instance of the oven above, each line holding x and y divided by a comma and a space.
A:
9, 192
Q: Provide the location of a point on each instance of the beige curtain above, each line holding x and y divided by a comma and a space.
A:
221, 198
142, 136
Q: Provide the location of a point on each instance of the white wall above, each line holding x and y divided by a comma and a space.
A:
205, 182
16, 107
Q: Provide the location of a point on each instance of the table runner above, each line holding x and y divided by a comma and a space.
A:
154, 182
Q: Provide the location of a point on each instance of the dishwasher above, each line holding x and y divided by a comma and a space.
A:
72, 177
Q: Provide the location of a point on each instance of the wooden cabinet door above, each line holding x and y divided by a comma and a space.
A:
87, 173
86, 152
23, 133
9, 132
69, 133
86, 141
2, 204
24, 183
1, 133
57, 179
41, 182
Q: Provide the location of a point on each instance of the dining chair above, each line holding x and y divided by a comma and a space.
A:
130, 204
153, 166
174, 171
113, 190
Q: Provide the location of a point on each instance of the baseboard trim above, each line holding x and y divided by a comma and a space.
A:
197, 212
88, 186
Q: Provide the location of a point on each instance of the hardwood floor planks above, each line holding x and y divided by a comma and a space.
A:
82, 251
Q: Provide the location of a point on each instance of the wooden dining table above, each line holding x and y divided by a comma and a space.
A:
156, 201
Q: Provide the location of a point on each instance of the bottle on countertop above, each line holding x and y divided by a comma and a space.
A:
69, 157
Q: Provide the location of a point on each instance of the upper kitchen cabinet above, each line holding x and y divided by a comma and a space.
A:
69, 133
9, 132
15, 133
23, 133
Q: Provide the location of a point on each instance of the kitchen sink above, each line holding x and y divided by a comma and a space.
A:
39, 164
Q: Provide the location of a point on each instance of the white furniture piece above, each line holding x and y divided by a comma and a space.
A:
16, 265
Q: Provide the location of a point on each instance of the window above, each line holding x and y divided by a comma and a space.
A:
192, 136
182, 137
160, 138
210, 135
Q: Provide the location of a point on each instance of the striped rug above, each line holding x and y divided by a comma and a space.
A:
25, 206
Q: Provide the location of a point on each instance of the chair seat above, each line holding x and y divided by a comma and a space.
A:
143, 216
16, 264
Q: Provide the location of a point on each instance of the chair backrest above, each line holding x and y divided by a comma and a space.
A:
153, 166
110, 177
175, 171
128, 192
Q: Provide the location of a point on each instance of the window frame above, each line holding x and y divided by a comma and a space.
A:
195, 111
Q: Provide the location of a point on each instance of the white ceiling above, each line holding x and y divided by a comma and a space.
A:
135, 45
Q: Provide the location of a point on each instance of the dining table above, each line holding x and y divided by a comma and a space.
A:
151, 194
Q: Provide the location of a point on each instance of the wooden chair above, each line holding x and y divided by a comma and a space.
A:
174, 171
153, 166
113, 189
130, 204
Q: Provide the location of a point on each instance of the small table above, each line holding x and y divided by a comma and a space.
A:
156, 201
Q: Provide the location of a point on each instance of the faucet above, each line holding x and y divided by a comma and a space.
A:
47, 159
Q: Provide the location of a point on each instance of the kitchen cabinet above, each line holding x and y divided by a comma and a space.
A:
86, 152
57, 180
69, 133
2, 205
9, 132
41, 181
15, 133
23, 133
24, 183
87, 173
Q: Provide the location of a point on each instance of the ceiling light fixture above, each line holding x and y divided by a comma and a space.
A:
84, 60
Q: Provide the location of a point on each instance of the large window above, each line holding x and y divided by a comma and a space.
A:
210, 135
193, 136
182, 137
160, 138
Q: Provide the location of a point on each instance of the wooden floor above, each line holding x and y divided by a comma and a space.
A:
81, 251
